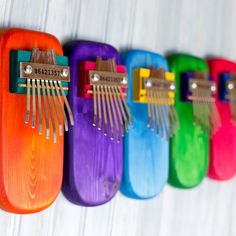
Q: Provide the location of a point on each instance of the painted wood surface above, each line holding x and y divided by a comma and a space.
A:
146, 155
189, 147
198, 27
30, 176
222, 164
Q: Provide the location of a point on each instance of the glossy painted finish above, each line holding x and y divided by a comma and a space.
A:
93, 162
146, 156
30, 166
189, 146
222, 164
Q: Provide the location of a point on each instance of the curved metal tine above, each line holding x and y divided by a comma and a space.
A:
40, 130
122, 108
51, 112
199, 110
27, 115
114, 113
104, 109
171, 121
61, 106
215, 114
172, 118
152, 110
149, 108
66, 103
126, 107
232, 104
157, 96
208, 112
94, 106
167, 119
197, 106
176, 119
99, 108
117, 108
45, 110
56, 108
33, 104
165, 114
156, 113
205, 117
108, 105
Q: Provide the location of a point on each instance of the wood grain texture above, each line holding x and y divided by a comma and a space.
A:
189, 147
31, 176
93, 162
198, 27
146, 155
222, 164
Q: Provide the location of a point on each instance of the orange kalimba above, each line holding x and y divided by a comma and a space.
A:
31, 155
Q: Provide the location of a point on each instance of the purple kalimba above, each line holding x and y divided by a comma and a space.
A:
93, 162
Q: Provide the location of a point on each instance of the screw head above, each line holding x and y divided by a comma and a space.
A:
124, 81
65, 72
230, 86
28, 70
172, 87
213, 88
148, 84
95, 77
194, 85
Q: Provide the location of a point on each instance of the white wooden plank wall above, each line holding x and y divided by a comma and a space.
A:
195, 26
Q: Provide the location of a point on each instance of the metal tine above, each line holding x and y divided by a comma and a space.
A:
51, 112
195, 107
170, 119
175, 122
112, 90
104, 109
149, 109
27, 115
165, 115
172, 116
152, 110
114, 113
197, 110
108, 105
33, 104
121, 107
126, 107
206, 113
40, 130
199, 113
157, 118
215, 118
56, 108
94, 106
99, 108
45, 110
61, 105
176, 119
66, 103
159, 114
232, 103
211, 115
216, 114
